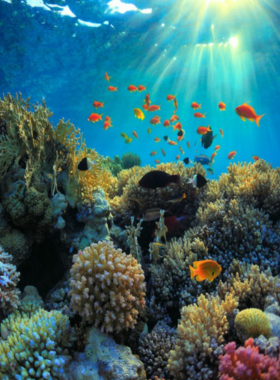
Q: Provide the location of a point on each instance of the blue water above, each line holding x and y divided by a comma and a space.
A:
203, 51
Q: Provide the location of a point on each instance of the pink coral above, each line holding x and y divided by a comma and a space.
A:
246, 363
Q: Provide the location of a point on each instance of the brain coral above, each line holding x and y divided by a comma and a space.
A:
107, 287
252, 323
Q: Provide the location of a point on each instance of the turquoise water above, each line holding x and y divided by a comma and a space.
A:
202, 51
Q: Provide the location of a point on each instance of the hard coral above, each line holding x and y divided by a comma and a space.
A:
107, 287
246, 363
252, 323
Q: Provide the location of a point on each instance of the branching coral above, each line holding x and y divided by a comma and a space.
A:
246, 363
33, 348
200, 340
9, 277
107, 287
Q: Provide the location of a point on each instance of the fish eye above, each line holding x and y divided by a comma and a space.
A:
213, 273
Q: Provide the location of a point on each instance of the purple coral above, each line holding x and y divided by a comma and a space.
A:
246, 363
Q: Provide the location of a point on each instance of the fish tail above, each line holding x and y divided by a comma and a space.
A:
191, 182
192, 272
258, 118
101, 116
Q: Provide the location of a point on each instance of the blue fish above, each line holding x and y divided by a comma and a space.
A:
203, 159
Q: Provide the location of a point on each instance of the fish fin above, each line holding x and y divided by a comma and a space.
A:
204, 114
192, 272
258, 118
101, 116
199, 278
190, 182
252, 120
195, 264
242, 118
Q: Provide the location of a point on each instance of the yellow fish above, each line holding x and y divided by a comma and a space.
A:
205, 269
124, 135
138, 113
149, 130
128, 140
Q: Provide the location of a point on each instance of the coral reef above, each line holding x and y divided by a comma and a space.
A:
107, 287
252, 323
246, 363
129, 160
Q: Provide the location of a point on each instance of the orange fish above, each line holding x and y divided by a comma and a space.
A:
157, 139
175, 102
141, 88
107, 77
97, 104
181, 150
256, 158
195, 105
163, 152
174, 118
199, 115
247, 112
153, 108
222, 106
145, 106
217, 148
205, 269
213, 156
147, 99
170, 97
157, 161
222, 132
111, 88
107, 118
177, 126
188, 144
135, 134
107, 124
170, 142
155, 120
177, 157
153, 153
180, 138
132, 88
166, 123
94, 117
232, 154
203, 130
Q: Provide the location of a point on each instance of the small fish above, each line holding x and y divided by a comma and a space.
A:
157, 161
174, 118
210, 170
255, 158
112, 89
213, 156
247, 112
163, 152
217, 148
166, 123
232, 154
165, 138
94, 117
124, 135
106, 125
153, 153
128, 140
141, 88
97, 104
157, 139
186, 160
135, 134
147, 99
203, 159
177, 126
222, 132
158, 178
188, 144
107, 118
207, 139
181, 150
199, 115
175, 102
177, 157
205, 269
158, 244
222, 106
155, 120
181, 132
149, 130
170, 97
203, 130
197, 181
107, 77
180, 138
177, 198
132, 88
153, 108
138, 113
170, 142
195, 105
86, 164
151, 214
145, 106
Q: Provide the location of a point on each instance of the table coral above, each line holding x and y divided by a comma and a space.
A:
107, 287
34, 346
246, 363
252, 323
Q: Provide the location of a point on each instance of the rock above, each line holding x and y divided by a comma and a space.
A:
274, 324
105, 360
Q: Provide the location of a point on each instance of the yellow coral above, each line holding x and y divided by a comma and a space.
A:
107, 287
252, 323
